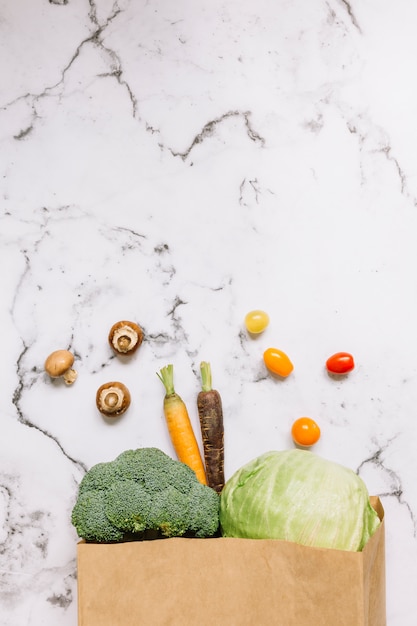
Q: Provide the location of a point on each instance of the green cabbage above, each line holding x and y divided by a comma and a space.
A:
295, 495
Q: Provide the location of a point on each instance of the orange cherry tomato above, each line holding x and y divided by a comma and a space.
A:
278, 362
256, 321
305, 432
340, 363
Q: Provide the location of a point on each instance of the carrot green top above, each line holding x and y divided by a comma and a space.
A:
167, 378
205, 370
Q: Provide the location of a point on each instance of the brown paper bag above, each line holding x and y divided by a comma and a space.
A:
231, 582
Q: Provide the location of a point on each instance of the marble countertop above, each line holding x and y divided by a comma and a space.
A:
179, 164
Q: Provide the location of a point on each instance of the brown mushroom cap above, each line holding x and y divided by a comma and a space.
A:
125, 337
113, 399
59, 363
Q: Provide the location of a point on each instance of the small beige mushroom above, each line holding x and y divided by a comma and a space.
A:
113, 399
125, 337
59, 364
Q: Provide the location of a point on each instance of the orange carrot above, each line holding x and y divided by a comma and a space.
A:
179, 426
210, 413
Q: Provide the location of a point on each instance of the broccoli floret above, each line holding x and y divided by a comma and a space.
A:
170, 513
138, 465
202, 501
127, 505
99, 477
90, 520
144, 490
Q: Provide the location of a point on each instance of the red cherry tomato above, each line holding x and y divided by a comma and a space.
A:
340, 363
305, 432
278, 362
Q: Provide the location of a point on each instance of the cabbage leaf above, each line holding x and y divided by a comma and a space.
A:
296, 495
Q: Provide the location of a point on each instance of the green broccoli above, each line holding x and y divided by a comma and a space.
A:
127, 506
144, 493
90, 520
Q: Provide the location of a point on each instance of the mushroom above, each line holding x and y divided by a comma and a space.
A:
59, 364
113, 399
125, 337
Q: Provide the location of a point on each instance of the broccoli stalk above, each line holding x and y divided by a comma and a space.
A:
142, 493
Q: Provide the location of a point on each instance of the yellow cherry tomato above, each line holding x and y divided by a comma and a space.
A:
256, 321
305, 432
278, 362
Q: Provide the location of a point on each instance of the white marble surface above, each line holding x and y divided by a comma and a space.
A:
180, 163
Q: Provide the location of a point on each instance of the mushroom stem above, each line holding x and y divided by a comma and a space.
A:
124, 339
70, 376
111, 399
